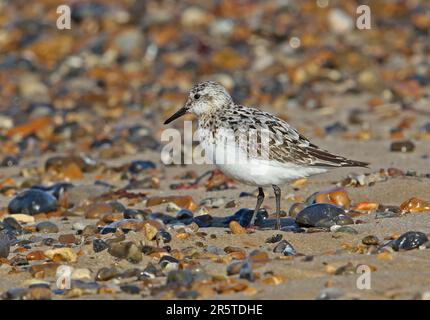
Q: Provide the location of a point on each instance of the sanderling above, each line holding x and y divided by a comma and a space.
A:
274, 153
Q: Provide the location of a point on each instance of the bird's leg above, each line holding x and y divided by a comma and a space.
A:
260, 199
278, 206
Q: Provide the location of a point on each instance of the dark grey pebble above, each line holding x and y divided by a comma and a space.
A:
275, 238
322, 215
99, 245
130, 289
409, 240
47, 227
4, 245
386, 214
246, 272
32, 202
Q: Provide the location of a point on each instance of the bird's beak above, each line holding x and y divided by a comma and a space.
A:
177, 114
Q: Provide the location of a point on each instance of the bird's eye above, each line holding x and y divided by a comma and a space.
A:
196, 96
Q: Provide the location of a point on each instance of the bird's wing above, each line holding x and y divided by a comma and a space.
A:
274, 139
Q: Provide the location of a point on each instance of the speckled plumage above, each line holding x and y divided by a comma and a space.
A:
253, 146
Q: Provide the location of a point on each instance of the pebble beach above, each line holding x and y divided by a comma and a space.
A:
89, 209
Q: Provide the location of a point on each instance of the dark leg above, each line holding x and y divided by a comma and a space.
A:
260, 199
278, 206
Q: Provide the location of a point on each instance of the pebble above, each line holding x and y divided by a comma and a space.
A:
234, 268
23, 218
138, 166
246, 272
386, 214
346, 229
151, 228
130, 289
67, 239
275, 238
163, 236
370, 240
9, 161
126, 250
415, 205
185, 202
184, 214
236, 228
99, 245
4, 245
212, 202
64, 254
47, 227
106, 274
32, 202
81, 274
285, 248
338, 197
330, 294
184, 278
409, 240
322, 215
402, 146
203, 221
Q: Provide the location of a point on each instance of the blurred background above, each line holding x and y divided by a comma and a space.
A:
125, 65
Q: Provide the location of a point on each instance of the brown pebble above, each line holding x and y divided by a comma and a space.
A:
236, 228
67, 239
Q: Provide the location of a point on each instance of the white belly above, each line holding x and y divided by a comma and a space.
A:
235, 163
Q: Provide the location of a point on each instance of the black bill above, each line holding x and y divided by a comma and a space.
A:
176, 115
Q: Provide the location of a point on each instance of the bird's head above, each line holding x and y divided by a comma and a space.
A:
203, 98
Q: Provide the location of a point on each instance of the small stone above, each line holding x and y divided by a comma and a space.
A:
9, 161
23, 218
346, 269
322, 215
234, 268
402, 146
61, 254
151, 228
409, 240
285, 248
203, 221
38, 293
246, 272
346, 229
370, 240
47, 227
130, 289
295, 209
330, 294
386, 214
4, 245
35, 255
67, 239
185, 202
81, 274
106, 274
212, 202
163, 236
44, 270
415, 205
275, 238
138, 166
32, 202
99, 245
338, 197
236, 228
126, 250
184, 214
